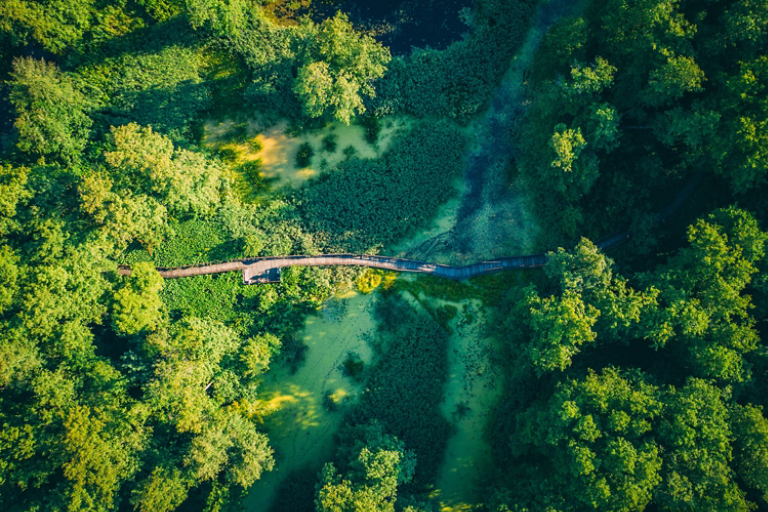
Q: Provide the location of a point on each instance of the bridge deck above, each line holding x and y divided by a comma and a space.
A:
267, 270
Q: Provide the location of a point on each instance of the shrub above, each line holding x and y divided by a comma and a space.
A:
329, 143
304, 155
368, 280
353, 367
372, 127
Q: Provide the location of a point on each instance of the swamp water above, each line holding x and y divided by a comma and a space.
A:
279, 148
301, 427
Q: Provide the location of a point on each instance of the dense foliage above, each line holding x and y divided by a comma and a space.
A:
367, 204
633, 383
634, 95
659, 419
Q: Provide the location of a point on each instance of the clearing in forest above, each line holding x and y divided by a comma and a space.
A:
277, 147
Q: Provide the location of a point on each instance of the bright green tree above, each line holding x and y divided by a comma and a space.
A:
558, 327
696, 435
337, 69
56, 24
146, 162
376, 464
138, 304
162, 491
704, 311
98, 457
13, 193
51, 117
593, 439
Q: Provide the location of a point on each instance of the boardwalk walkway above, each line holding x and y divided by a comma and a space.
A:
267, 270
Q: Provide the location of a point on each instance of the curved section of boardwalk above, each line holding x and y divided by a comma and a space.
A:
267, 270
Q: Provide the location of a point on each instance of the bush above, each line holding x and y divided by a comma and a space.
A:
329, 143
372, 127
293, 353
353, 367
329, 402
369, 280
304, 155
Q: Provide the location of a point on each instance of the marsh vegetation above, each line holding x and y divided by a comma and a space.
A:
161, 133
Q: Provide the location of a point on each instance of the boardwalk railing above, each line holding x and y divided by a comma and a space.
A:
267, 270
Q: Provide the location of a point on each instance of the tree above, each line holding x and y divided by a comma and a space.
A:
562, 45
558, 327
590, 80
9, 275
376, 464
232, 445
746, 22
13, 193
137, 303
593, 444
60, 300
587, 304
146, 162
51, 115
257, 353
695, 433
567, 145
750, 432
224, 17
588, 272
162, 491
190, 358
99, 459
680, 74
703, 310
337, 68
56, 24
741, 155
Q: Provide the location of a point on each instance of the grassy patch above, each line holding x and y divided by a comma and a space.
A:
211, 296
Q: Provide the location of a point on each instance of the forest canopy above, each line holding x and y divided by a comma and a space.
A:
623, 142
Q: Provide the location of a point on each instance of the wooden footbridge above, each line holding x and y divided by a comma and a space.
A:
267, 270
